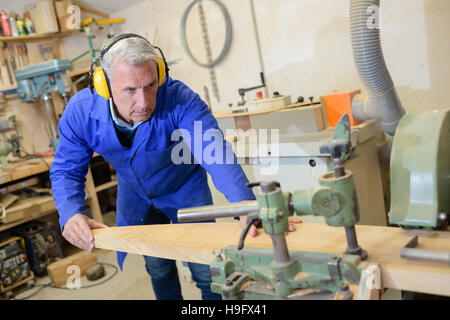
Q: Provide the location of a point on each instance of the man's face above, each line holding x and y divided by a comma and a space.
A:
134, 90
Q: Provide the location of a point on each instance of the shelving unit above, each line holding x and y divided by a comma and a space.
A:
38, 37
37, 207
31, 54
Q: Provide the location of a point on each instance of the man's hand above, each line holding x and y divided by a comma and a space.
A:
77, 231
253, 232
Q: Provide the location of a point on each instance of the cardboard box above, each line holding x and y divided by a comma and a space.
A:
44, 16
61, 7
64, 17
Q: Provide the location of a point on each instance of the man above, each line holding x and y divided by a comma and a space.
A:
132, 130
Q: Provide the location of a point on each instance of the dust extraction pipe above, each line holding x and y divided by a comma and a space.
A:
382, 102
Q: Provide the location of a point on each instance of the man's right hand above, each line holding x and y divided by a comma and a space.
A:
77, 230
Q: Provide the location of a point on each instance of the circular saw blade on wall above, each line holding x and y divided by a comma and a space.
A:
209, 60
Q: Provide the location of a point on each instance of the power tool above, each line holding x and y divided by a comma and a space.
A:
14, 267
260, 273
42, 244
39, 81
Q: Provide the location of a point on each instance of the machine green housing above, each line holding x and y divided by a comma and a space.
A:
420, 170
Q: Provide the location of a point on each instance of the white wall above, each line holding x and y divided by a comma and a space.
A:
306, 47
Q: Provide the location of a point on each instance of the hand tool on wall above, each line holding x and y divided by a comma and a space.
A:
12, 58
7, 63
24, 50
18, 55
1, 65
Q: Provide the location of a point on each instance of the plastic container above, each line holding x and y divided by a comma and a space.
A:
5, 24
20, 26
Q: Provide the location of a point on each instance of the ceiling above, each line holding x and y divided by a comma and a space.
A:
105, 6
108, 6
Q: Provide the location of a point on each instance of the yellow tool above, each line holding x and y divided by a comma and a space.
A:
110, 21
87, 22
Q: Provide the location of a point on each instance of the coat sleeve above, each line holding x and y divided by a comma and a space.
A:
202, 134
70, 166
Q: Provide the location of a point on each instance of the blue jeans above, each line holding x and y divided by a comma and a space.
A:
166, 283
164, 273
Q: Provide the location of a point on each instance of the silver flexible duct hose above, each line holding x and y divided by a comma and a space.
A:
382, 102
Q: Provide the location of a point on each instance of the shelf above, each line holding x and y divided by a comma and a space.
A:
31, 209
38, 37
106, 185
26, 210
23, 169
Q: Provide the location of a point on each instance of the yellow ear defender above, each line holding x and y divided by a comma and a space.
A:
99, 80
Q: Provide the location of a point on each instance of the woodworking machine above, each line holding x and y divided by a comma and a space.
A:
420, 178
260, 273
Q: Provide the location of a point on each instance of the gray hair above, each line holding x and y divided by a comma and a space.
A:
134, 51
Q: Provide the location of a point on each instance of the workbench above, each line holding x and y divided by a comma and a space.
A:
25, 210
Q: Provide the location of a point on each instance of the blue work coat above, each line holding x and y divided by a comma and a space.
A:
146, 173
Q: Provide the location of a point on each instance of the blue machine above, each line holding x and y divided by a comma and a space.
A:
39, 81
42, 79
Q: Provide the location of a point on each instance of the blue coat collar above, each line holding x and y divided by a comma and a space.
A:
100, 111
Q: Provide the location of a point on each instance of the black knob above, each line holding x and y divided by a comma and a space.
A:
335, 147
266, 186
300, 99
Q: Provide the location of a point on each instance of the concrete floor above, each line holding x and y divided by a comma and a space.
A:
133, 283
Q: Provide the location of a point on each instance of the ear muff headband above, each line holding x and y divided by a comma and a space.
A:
99, 80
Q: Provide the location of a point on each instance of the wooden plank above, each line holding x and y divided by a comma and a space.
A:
28, 208
59, 273
7, 199
23, 169
195, 241
19, 185
94, 203
10, 225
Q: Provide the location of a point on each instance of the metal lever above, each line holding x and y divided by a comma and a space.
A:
336, 148
266, 186
250, 221
409, 251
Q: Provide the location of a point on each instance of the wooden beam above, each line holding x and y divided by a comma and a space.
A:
94, 203
195, 242
58, 271
93, 11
